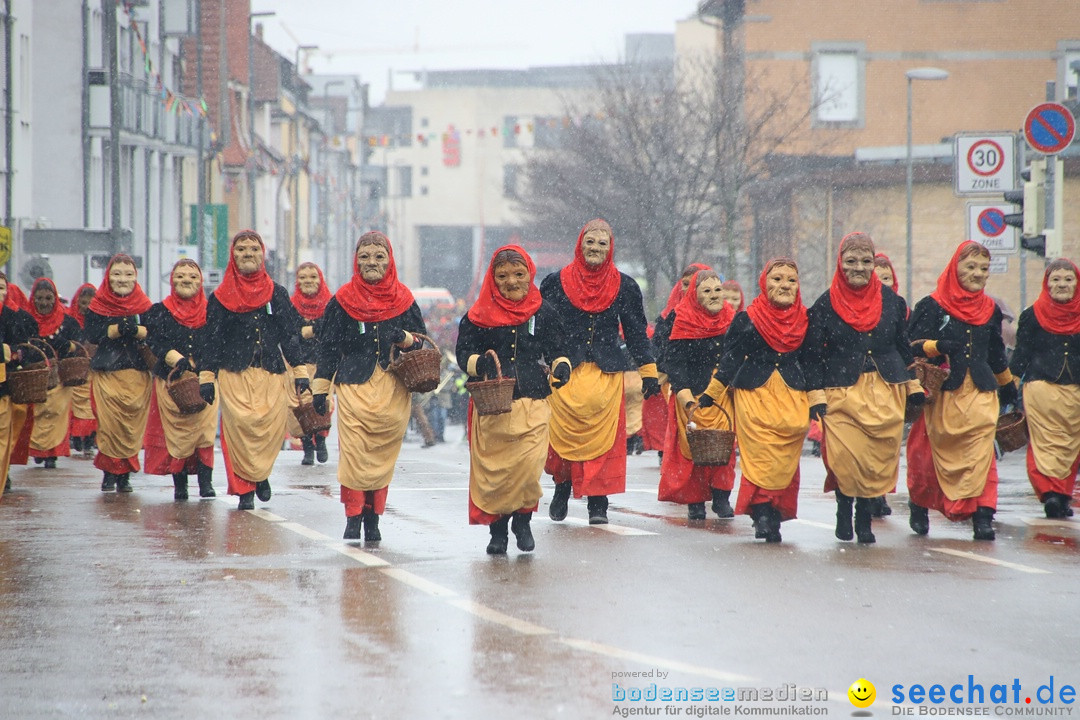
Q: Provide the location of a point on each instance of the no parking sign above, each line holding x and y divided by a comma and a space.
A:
986, 225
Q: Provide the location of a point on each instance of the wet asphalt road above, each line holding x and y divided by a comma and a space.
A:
118, 606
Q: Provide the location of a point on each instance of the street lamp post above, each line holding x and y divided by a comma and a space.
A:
296, 153
922, 73
251, 117
330, 126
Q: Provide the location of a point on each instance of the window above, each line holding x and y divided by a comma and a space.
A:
549, 132
838, 86
405, 181
510, 180
1070, 67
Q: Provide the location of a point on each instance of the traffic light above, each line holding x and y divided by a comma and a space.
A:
1032, 201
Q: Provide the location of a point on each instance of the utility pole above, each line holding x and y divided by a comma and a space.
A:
115, 118
251, 119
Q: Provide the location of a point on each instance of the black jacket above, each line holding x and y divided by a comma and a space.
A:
60, 341
1043, 355
749, 361
14, 330
113, 354
350, 348
691, 363
594, 337
837, 353
520, 348
165, 334
660, 339
983, 351
259, 338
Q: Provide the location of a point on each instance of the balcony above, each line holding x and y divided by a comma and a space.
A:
143, 115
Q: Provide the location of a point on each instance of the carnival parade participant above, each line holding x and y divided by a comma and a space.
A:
588, 420
49, 438
119, 376
950, 449
367, 317
1047, 360
885, 271
22, 415
251, 331
694, 351
857, 349
83, 422
14, 330
733, 295
764, 359
177, 329
309, 297
507, 451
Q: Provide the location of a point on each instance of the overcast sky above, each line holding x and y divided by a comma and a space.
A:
372, 38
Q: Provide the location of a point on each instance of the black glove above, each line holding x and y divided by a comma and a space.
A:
206, 392
1008, 394
396, 335
818, 411
302, 385
915, 400
183, 364
649, 386
948, 347
561, 373
485, 366
319, 403
128, 327
705, 400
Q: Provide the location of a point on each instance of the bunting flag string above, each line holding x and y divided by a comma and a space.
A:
174, 102
494, 132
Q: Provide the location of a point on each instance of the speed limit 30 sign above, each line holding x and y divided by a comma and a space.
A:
985, 163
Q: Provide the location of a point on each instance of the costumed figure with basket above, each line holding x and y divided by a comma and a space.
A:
83, 426
370, 317
182, 427
694, 351
501, 343
14, 331
857, 349
252, 330
764, 366
309, 297
588, 417
119, 375
59, 332
950, 449
22, 411
1047, 360
886, 273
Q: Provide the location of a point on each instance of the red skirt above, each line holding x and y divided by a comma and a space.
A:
654, 418
681, 481
786, 500
605, 475
1044, 484
924, 488
355, 500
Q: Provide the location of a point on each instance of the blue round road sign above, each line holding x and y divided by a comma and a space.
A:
1049, 128
991, 222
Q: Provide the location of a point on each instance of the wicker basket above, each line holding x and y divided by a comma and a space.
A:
49, 362
492, 397
1012, 431
710, 447
310, 421
419, 369
185, 393
75, 369
930, 376
31, 383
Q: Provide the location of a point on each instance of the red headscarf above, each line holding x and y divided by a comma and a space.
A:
883, 258
734, 284
16, 298
858, 307
491, 309
47, 324
73, 308
376, 302
973, 308
241, 293
311, 307
783, 328
189, 312
1060, 318
588, 288
694, 322
108, 304
677, 292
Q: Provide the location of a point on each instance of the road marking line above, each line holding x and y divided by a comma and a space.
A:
1054, 523
418, 582
992, 561
520, 626
364, 558
306, 531
615, 529
266, 515
812, 523
652, 660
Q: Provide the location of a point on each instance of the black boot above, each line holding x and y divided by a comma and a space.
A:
90, 444
320, 449
206, 481
880, 507
557, 508
123, 483
759, 513
772, 534
843, 516
371, 526
179, 481
1055, 505
247, 501
519, 524
863, 515
76, 443
695, 511
309, 451
497, 544
108, 482
50, 463
982, 523
598, 509
353, 524
7, 484
721, 503
262, 490
919, 519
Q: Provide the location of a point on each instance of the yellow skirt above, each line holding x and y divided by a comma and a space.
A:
372, 418
7, 439
585, 413
253, 410
80, 402
770, 425
864, 427
706, 418
51, 419
1053, 418
506, 457
122, 398
634, 401
961, 424
184, 434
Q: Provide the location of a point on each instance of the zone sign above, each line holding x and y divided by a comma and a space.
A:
985, 163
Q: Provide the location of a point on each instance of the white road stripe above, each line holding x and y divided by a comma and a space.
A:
652, 660
418, 582
486, 613
364, 558
306, 532
615, 529
992, 561
1051, 523
813, 523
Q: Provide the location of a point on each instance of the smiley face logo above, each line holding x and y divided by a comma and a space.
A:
862, 693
